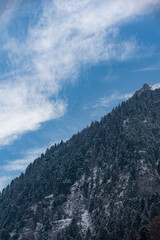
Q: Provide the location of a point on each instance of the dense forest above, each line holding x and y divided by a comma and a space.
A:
103, 183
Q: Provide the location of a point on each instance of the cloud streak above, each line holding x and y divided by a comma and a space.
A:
149, 68
67, 35
107, 101
4, 180
22, 163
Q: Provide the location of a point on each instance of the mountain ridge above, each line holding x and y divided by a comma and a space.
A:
103, 183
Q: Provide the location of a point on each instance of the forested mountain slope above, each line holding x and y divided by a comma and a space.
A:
103, 183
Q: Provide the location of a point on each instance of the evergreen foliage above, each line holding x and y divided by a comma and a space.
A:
103, 183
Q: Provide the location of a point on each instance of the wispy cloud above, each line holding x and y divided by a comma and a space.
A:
68, 34
4, 181
10, 170
22, 163
149, 68
101, 105
7, 11
107, 101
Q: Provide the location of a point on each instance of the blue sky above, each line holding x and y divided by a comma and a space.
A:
66, 63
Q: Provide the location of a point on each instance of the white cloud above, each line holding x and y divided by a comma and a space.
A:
23, 109
10, 169
4, 181
149, 68
7, 10
107, 101
21, 164
68, 34
102, 104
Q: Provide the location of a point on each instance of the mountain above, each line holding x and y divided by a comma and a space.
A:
103, 183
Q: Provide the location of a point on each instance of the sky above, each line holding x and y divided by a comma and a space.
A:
66, 63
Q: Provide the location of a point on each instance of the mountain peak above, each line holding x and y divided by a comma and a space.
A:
146, 87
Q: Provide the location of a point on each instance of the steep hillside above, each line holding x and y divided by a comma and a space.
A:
104, 183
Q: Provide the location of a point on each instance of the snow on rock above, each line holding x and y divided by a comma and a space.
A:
95, 170
62, 223
155, 86
49, 196
34, 208
144, 168
74, 199
39, 226
85, 220
142, 151
123, 181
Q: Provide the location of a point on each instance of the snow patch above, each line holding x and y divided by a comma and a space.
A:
100, 181
34, 208
156, 86
121, 195
12, 234
123, 181
95, 173
109, 180
39, 226
85, 220
63, 223
69, 207
124, 178
144, 168
142, 151
49, 196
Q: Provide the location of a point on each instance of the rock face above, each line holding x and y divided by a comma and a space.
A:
104, 183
